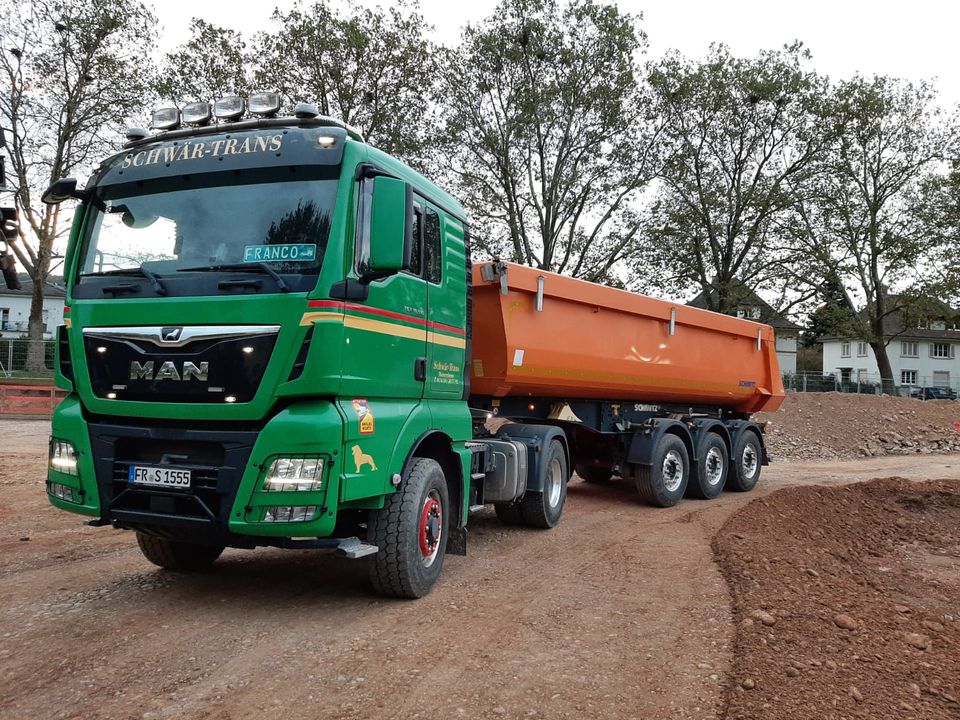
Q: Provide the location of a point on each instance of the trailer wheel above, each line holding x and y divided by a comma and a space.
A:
411, 533
594, 474
543, 509
747, 455
712, 470
181, 556
509, 513
663, 483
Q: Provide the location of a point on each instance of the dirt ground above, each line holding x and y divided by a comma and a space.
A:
622, 611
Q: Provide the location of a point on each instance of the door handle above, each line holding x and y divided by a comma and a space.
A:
420, 369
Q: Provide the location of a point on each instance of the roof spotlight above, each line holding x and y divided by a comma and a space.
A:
229, 108
306, 110
165, 119
196, 113
264, 104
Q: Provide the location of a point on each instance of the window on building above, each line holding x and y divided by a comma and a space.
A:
741, 313
941, 350
844, 349
938, 325
909, 349
862, 375
861, 349
908, 377
4, 318
755, 313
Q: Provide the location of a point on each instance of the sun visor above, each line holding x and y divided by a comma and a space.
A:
208, 153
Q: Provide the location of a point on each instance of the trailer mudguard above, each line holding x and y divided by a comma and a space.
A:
536, 438
645, 439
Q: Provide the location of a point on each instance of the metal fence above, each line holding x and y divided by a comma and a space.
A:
861, 383
14, 358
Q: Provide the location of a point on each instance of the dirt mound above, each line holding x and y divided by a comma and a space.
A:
845, 601
840, 425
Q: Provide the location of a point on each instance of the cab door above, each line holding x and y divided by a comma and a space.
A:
444, 271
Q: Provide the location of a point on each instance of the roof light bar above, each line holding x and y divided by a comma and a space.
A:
229, 108
197, 113
264, 104
165, 119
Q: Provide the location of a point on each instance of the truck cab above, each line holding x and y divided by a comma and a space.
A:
264, 344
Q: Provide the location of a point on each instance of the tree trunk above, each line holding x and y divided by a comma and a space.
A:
887, 381
35, 344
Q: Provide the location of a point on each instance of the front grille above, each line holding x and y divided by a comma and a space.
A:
205, 370
216, 460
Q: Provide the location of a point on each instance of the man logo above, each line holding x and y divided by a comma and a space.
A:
170, 334
168, 371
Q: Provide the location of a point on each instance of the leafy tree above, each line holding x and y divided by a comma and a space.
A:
72, 73
744, 133
210, 65
547, 133
859, 230
371, 68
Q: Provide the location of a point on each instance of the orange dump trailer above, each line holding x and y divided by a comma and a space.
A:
539, 334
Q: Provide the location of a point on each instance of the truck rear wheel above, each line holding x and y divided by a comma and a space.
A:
712, 469
411, 533
180, 556
663, 483
747, 455
594, 473
543, 509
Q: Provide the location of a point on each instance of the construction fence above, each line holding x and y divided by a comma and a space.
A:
861, 383
14, 359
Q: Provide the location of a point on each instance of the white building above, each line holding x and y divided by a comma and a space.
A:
15, 310
923, 356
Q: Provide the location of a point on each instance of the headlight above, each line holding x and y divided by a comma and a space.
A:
287, 474
63, 457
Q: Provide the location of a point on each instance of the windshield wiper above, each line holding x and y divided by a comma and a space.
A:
242, 267
154, 279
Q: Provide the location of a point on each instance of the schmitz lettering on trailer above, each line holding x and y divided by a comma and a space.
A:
200, 149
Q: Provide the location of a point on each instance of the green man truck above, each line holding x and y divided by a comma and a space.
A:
274, 336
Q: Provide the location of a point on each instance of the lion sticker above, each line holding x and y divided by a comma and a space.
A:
360, 458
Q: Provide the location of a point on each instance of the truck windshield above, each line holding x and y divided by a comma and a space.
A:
171, 227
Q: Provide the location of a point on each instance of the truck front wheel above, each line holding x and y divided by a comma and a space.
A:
664, 481
177, 555
411, 533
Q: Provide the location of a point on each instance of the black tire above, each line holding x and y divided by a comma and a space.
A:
745, 465
663, 483
594, 473
181, 556
543, 509
713, 468
509, 513
412, 540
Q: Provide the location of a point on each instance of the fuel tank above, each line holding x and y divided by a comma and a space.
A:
539, 334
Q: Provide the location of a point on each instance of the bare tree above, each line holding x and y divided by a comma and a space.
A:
71, 73
210, 65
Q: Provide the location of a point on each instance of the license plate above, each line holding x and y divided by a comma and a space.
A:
164, 477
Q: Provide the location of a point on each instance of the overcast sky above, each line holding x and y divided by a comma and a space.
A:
915, 40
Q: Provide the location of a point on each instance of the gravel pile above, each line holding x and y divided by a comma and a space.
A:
813, 426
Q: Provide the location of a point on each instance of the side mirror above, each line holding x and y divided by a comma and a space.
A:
62, 189
8, 223
391, 232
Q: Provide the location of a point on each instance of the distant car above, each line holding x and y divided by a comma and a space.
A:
934, 393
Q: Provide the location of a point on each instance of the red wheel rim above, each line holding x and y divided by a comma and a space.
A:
431, 527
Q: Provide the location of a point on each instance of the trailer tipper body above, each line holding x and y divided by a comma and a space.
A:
274, 336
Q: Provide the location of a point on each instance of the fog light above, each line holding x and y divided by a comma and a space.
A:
63, 457
165, 119
264, 104
196, 113
229, 108
287, 474
64, 492
290, 513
